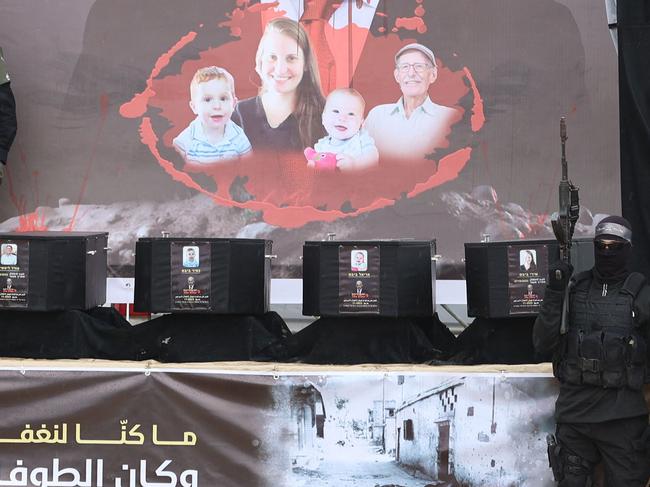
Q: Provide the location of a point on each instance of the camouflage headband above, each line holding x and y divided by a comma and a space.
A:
614, 229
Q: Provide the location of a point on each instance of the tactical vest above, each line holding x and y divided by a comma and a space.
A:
604, 345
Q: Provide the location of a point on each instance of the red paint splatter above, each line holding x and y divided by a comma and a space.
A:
448, 169
36, 222
138, 104
31, 222
288, 192
410, 23
237, 16
484, 148
27, 222
234, 22
261, 7
478, 117
287, 217
103, 108
103, 105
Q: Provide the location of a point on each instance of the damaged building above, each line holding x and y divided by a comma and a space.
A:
464, 430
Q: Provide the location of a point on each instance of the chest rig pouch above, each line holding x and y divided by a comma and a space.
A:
604, 345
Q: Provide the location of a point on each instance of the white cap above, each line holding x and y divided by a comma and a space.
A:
417, 47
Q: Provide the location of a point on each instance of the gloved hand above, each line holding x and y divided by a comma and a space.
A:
559, 274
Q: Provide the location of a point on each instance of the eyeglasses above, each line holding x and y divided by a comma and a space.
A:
417, 67
604, 244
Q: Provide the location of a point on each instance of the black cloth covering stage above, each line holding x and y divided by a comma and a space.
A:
496, 341
358, 340
102, 333
98, 333
211, 338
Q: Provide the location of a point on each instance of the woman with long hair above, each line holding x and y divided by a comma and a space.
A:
528, 263
286, 113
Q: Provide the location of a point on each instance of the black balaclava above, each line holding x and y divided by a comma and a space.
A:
612, 265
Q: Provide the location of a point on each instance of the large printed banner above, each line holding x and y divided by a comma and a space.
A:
292, 119
143, 427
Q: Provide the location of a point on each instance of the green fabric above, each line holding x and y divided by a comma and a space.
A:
4, 74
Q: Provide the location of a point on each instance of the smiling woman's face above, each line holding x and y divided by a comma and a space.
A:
281, 64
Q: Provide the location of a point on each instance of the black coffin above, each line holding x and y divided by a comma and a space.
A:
230, 276
403, 286
51, 271
497, 278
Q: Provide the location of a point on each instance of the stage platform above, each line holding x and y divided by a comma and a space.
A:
265, 368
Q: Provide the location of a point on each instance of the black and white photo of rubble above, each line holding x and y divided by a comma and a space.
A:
414, 431
507, 220
452, 218
128, 221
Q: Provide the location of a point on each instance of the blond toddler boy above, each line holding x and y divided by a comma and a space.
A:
212, 136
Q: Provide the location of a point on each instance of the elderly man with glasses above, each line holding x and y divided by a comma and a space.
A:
414, 126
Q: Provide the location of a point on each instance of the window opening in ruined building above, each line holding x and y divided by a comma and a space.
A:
408, 429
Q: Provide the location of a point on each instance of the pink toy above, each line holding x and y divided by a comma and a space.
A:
324, 161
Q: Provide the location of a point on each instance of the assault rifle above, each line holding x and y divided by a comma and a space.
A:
564, 221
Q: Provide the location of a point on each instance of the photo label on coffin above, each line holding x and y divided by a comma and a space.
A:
527, 271
359, 270
190, 275
14, 273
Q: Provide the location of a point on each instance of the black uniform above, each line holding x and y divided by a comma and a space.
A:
7, 112
601, 363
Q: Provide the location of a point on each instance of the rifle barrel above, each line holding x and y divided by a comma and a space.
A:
563, 137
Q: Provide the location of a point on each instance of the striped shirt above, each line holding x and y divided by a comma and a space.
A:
197, 148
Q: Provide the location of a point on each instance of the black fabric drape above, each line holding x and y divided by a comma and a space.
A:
102, 333
634, 100
497, 341
99, 333
359, 340
215, 338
